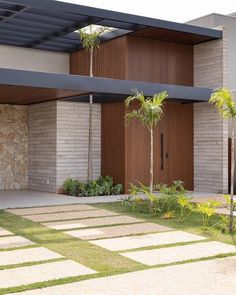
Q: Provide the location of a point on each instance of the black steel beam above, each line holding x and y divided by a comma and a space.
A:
99, 85
118, 17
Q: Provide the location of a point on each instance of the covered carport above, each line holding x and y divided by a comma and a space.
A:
45, 167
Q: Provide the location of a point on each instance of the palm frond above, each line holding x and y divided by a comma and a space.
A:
150, 109
91, 38
137, 96
223, 100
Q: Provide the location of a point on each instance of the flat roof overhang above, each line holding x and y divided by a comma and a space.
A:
51, 25
27, 87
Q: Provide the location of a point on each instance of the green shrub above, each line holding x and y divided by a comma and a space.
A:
67, 186
186, 207
207, 210
169, 195
100, 187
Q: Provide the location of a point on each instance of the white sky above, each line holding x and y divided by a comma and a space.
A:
173, 10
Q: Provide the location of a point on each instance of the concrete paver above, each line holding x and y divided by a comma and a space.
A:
180, 253
225, 211
27, 255
118, 230
69, 215
100, 221
51, 209
4, 232
157, 239
205, 277
29, 198
43, 272
14, 242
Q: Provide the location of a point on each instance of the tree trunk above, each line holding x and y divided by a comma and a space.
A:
90, 139
231, 222
151, 162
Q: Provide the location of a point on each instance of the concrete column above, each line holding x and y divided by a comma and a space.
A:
210, 131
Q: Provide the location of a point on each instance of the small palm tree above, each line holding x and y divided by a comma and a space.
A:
224, 102
149, 113
90, 38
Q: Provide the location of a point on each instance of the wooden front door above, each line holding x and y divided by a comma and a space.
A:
126, 150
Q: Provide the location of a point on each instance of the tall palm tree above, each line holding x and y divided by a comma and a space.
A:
149, 113
90, 38
224, 102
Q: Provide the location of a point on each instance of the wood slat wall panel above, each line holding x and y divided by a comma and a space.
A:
22, 95
109, 60
137, 151
159, 61
181, 143
113, 141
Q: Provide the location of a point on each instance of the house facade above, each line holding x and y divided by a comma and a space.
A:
44, 88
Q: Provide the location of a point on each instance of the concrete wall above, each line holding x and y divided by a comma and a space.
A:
216, 20
210, 131
13, 147
42, 146
72, 141
58, 143
34, 60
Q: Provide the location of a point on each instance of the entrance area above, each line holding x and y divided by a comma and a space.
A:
126, 149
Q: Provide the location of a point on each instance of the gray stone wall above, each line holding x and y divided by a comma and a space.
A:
13, 147
210, 131
42, 146
72, 141
58, 143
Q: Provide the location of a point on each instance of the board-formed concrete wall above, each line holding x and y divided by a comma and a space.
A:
13, 147
42, 146
210, 131
72, 141
58, 143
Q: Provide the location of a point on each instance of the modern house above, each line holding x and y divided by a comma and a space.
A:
44, 88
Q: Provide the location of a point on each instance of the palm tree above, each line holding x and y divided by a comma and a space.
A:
149, 113
90, 39
224, 102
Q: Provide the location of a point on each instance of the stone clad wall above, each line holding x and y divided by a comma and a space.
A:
210, 131
58, 143
13, 147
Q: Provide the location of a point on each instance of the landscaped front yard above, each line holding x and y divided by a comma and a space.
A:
96, 241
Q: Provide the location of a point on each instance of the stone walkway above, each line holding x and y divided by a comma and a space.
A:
92, 222
157, 239
14, 242
212, 277
148, 243
41, 273
69, 215
19, 274
4, 232
117, 231
180, 253
27, 255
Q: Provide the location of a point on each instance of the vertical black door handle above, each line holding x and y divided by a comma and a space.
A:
162, 151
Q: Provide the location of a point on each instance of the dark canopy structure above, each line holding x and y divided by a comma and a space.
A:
52, 25
26, 87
